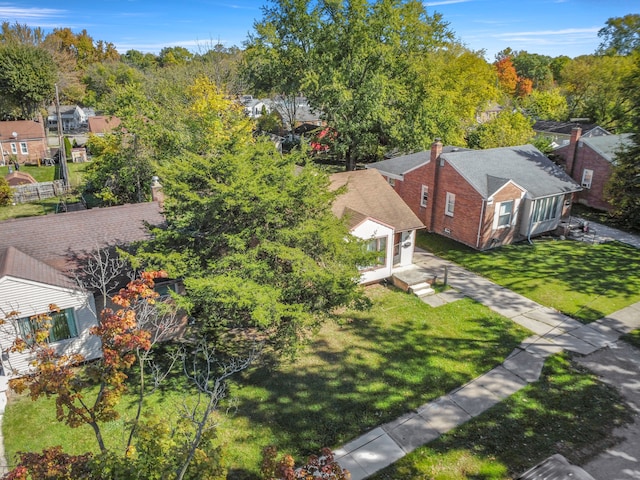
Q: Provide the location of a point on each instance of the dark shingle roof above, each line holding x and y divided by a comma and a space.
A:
56, 239
14, 263
607, 146
562, 128
524, 165
369, 195
403, 164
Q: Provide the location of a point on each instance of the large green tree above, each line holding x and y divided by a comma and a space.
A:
592, 85
357, 62
262, 256
621, 36
623, 189
506, 130
27, 79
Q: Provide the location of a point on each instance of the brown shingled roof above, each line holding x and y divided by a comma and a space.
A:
14, 263
57, 239
369, 194
26, 129
102, 124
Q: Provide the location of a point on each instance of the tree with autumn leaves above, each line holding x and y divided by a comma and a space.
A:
91, 395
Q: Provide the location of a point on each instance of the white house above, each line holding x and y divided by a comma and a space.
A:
73, 117
29, 287
38, 256
376, 213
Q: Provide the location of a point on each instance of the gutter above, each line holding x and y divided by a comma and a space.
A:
484, 202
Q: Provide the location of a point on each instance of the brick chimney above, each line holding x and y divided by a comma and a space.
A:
436, 149
157, 195
573, 149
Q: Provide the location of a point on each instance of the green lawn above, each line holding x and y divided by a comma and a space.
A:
582, 280
568, 411
356, 374
43, 174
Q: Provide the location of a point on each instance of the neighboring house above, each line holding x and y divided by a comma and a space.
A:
73, 117
296, 112
38, 256
482, 198
560, 132
23, 141
377, 214
489, 113
589, 161
254, 107
101, 124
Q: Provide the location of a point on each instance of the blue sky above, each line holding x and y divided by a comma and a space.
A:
549, 27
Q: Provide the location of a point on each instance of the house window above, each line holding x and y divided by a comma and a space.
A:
505, 212
451, 203
424, 196
63, 326
378, 245
392, 181
587, 177
14, 149
23, 148
545, 209
164, 289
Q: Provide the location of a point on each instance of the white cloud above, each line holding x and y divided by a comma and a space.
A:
12, 12
540, 33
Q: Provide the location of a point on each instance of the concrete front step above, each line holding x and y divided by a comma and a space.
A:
424, 292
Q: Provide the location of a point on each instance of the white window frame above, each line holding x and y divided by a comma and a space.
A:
587, 178
424, 196
14, 148
377, 244
450, 204
24, 148
504, 217
70, 326
391, 181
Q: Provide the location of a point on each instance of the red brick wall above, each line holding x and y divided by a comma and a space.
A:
410, 190
463, 225
589, 159
489, 237
37, 151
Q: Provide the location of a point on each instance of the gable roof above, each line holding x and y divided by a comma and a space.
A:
403, 164
103, 124
59, 238
607, 146
14, 263
564, 128
26, 130
525, 165
369, 195
64, 110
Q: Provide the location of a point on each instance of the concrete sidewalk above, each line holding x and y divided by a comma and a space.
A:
553, 332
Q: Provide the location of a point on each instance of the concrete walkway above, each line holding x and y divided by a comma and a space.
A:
553, 332
602, 233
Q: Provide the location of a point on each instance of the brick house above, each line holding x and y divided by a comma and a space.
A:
38, 257
23, 141
482, 198
589, 161
377, 214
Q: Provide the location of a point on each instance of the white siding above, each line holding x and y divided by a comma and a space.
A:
370, 229
31, 298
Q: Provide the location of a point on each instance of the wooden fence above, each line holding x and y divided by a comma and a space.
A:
38, 191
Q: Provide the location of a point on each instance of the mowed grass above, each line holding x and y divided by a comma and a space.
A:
356, 374
568, 411
579, 279
43, 174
